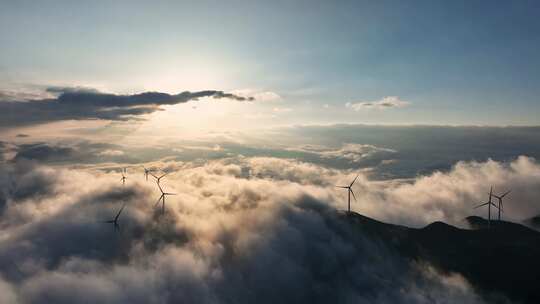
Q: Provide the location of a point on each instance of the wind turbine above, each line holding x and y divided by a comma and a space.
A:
349, 192
123, 179
500, 198
162, 198
158, 178
146, 172
163, 193
115, 221
489, 203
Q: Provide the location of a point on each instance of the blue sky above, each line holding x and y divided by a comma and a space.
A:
454, 62
256, 110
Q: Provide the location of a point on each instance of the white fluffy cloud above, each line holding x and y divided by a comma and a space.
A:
386, 102
351, 152
232, 222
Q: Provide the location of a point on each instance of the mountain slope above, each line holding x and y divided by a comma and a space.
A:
504, 259
533, 222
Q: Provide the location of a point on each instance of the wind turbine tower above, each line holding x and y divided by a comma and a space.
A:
163, 193
489, 203
349, 192
123, 179
146, 172
500, 198
115, 220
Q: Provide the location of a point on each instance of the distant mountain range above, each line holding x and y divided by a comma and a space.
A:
503, 260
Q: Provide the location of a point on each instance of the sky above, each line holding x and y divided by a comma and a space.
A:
444, 62
256, 110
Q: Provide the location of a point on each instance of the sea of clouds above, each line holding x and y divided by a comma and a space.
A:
239, 230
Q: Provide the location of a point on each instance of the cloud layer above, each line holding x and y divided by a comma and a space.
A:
240, 230
349, 151
83, 104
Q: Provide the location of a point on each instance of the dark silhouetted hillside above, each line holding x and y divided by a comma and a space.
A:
504, 259
533, 222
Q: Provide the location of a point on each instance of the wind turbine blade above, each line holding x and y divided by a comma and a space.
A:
481, 205
354, 180
164, 174
353, 195
492, 204
116, 218
344, 187
506, 193
159, 199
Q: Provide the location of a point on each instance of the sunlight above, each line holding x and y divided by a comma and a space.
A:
193, 120
269, 152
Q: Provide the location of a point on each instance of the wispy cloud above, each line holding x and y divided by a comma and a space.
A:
258, 95
18, 95
281, 110
387, 102
350, 151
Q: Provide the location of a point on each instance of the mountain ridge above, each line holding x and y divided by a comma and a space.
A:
501, 260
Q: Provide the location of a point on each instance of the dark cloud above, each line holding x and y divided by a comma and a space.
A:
82, 104
3, 202
3, 150
61, 90
83, 152
44, 152
26, 180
